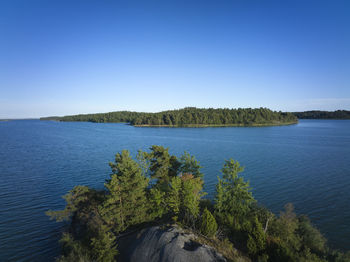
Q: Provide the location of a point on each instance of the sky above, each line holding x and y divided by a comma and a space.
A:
69, 57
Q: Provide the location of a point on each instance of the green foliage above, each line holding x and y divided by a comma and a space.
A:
190, 165
144, 162
126, 202
174, 190
73, 250
157, 204
190, 116
293, 238
163, 166
233, 198
191, 194
184, 197
310, 236
208, 224
104, 246
174, 197
75, 199
338, 256
285, 228
256, 239
316, 114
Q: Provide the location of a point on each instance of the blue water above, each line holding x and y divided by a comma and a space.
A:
307, 164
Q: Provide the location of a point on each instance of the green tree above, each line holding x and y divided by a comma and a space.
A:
103, 245
219, 197
144, 162
81, 204
157, 203
208, 224
310, 236
191, 194
174, 197
73, 250
285, 243
163, 166
126, 202
189, 164
233, 198
256, 239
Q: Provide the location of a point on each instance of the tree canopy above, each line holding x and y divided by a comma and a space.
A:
190, 116
316, 114
161, 188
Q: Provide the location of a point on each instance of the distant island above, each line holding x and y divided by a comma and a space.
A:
189, 117
316, 114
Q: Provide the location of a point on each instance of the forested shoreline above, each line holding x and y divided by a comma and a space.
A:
159, 188
189, 117
317, 114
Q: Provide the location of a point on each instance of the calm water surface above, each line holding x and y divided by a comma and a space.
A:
307, 164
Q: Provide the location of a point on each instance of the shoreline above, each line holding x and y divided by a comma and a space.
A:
227, 125
184, 126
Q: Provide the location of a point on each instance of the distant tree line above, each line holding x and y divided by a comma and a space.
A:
339, 114
160, 188
189, 116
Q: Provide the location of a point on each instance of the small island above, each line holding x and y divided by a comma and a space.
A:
190, 117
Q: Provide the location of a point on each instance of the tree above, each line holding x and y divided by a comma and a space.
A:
285, 243
219, 197
310, 236
104, 246
79, 203
256, 239
98, 217
208, 224
174, 197
190, 165
163, 166
126, 202
233, 198
157, 206
73, 250
144, 162
200, 116
191, 194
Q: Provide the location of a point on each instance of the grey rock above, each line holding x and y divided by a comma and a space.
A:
171, 244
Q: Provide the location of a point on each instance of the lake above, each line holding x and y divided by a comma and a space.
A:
307, 164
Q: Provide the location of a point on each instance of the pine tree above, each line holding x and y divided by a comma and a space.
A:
256, 239
233, 197
191, 194
104, 246
126, 202
174, 197
219, 197
208, 224
79, 202
189, 164
163, 166
157, 203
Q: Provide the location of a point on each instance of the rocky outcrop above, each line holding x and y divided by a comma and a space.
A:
170, 244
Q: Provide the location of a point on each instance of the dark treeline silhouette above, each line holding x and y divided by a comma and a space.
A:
316, 114
189, 116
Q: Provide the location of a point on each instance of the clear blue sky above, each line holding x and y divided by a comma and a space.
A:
67, 57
